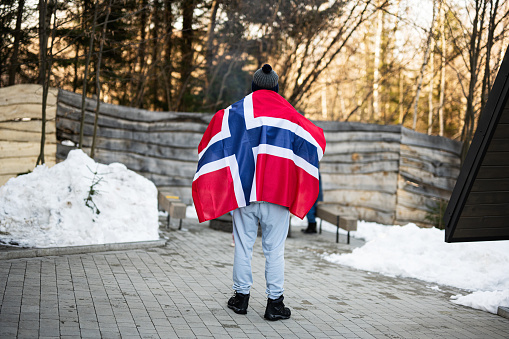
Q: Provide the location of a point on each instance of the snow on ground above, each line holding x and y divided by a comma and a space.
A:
47, 208
422, 253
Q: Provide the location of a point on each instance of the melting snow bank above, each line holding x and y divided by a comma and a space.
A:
47, 208
422, 253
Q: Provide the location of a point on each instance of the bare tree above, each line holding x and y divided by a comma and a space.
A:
442, 69
376, 72
187, 52
155, 66
141, 57
46, 60
486, 82
474, 54
85, 75
209, 51
423, 67
305, 77
430, 90
97, 78
401, 97
17, 37
168, 47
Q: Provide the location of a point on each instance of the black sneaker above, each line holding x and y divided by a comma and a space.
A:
238, 303
311, 228
276, 310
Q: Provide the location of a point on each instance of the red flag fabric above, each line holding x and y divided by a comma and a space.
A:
258, 149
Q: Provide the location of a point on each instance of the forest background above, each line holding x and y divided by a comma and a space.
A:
428, 65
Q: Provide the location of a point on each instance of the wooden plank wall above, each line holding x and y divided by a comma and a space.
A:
387, 174
428, 169
360, 169
162, 146
20, 129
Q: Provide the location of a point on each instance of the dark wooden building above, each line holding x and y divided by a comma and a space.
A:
479, 206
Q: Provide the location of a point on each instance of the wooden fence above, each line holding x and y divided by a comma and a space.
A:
428, 169
387, 174
161, 146
21, 128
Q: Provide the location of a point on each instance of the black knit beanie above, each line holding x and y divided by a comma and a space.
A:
265, 78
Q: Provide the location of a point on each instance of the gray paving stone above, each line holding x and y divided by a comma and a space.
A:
201, 331
29, 324
90, 333
128, 331
184, 333
8, 330
70, 329
28, 333
49, 331
180, 291
149, 335
110, 334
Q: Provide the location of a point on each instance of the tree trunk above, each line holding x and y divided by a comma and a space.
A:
17, 37
168, 44
486, 82
140, 88
503, 38
43, 45
223, 83
401, 98
187, 54
209, 51
155, 66
43, 40
474, 54
85, 76
442, 71
76, 63
430, 93
376, 72
46, 63
97, 78
424, 63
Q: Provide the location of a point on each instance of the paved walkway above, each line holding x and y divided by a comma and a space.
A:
180, 291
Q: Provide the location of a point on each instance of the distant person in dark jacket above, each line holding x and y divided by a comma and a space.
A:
311, 216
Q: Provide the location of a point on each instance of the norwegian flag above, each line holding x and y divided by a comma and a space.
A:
258, 149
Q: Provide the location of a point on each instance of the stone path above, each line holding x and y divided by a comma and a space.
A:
180, 291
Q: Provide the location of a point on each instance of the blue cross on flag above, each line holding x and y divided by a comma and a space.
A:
258, 149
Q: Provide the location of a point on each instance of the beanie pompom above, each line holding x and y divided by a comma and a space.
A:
265, 78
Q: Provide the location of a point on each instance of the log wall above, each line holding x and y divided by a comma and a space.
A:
21, 127
428, 169
360, 169
387, 174
162, 146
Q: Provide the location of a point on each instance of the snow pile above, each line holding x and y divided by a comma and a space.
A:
422, 253
48, 207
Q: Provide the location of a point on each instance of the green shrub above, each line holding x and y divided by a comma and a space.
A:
436, 211
89, 202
